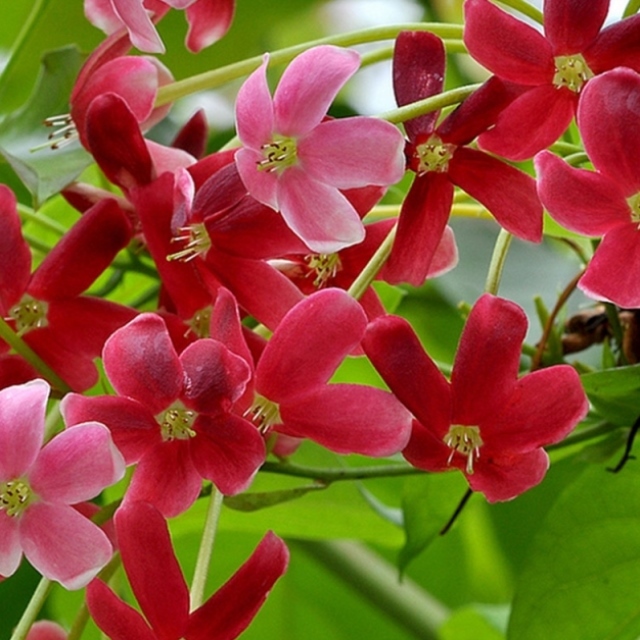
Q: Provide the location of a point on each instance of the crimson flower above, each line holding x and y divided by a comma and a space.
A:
441, 159
552, 69
172, 415
485, 421
296, 161
38, 487
604, 202
161, 591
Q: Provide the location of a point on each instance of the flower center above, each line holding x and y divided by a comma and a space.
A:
264, 413
64, 133
278, 154
196, 242
177, 423
200, 322
15, 496
634, 205
432, 155
466, 441
325, 266
571, 72
29, 314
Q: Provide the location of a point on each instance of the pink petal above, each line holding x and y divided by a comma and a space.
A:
502, 480
254, 109
487, 360
76, 465
423, 219
308, 87
22, 412
208, 20
152, 568
570, 27
508, 193
612, 274
63, 545
167, 159
531, 123
141, 30
141, 363
418, 73
349, 418
46, 630
505, 45
617, 46
229, 611
11, 547
227, 450
101, 14
226, 325
133, 429
446, 256
15, 256
118, 620
353, 152
319, 214
584, 201
262, 185
309, 345
607, 118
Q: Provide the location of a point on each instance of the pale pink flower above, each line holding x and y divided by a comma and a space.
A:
296, 160
38, 487
45, 630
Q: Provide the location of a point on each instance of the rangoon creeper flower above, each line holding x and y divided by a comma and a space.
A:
604, 202
38, 487
159, 586
485, 421
45, 630
296, 161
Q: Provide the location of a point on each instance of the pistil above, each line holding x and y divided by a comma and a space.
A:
571, 72
278, 154
432, 155
325, 266
264, 413
177, 423
15, 495
466, 441
29, 314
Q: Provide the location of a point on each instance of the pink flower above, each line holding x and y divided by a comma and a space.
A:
485, 421
208, 20
38, 487
604, 202
45, 630
296, 161
552, 69
161, 591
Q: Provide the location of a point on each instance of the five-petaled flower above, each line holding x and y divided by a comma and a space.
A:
485, 421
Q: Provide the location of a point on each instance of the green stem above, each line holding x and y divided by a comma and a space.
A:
22, 348
328, 475
32, 610
374, 579
525, 8
368, 274
631, 8
28, 214
498, 259
206, 548
217, 77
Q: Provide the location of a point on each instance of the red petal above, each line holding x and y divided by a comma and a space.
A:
571, 26
617, 46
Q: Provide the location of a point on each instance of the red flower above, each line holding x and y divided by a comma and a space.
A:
486, 422
159, 587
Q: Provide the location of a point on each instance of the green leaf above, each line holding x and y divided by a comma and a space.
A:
615, 393
44, 171
254, 501
469, 623
581, 575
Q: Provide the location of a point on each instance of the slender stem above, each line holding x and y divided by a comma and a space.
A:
206, 549
32, 610
457, 512
27, 213
329, 475
215, 78
368, 274
497, 262
631, 8
525, 8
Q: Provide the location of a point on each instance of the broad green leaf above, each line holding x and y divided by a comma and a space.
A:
469, 623
582, 572
44, 171
615, 393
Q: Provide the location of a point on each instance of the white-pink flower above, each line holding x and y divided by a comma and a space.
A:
296, 160
39, 484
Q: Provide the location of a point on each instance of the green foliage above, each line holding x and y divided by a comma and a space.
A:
615, 393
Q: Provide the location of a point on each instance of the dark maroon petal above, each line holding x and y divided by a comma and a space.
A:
309, 344
617, 46
531, 123
505, 45
396, 353
423, 218
229, 611
488, 358
83, 253
141, 363
572, 25
508, 193
418, 72
192, 137
202, 170
608, 121
152, 568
